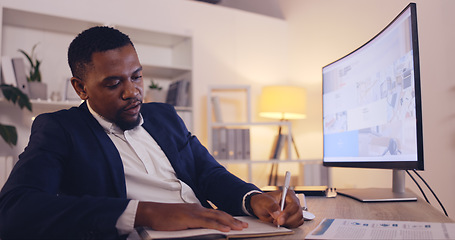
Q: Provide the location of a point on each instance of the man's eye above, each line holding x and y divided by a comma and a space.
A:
113, 84
139, 77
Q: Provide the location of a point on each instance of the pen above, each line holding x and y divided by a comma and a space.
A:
304, 207
287, 180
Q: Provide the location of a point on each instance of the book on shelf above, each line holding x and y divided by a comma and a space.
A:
246, 144
173, 92
231, 143
256, 228
178, 93
219, 143
184, 94
216, 109
238, 143
215, 144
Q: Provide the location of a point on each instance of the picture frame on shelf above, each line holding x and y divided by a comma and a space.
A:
8, 76
20, 74
69, 93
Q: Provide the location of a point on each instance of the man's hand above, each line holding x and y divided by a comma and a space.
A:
266, 206
179, 216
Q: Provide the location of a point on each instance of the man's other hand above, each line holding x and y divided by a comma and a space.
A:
179, 216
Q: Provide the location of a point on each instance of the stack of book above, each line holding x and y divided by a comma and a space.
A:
231, 143
179, 93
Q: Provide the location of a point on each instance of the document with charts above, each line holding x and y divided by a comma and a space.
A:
379, 229
256, 228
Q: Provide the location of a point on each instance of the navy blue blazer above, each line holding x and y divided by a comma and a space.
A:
69, 181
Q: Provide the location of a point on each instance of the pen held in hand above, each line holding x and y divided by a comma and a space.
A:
287, 181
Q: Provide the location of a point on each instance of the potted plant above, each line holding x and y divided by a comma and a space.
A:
13, 94
155, 93
38, 89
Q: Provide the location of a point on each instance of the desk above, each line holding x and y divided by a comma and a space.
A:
344, 207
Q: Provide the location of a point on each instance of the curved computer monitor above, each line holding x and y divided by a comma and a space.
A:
372, 114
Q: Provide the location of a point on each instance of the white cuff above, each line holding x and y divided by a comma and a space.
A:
125, 223
244, 198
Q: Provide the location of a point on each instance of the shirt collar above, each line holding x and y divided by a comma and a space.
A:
110, 127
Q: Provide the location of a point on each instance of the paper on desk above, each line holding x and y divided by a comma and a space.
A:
378, 229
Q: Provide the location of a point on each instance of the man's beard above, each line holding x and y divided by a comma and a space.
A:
128, 125
124, 125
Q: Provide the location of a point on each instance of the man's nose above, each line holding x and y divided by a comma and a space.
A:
132, 90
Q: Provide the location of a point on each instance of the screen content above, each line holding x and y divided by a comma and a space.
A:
369, 112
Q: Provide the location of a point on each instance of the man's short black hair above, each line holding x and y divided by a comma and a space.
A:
92, 40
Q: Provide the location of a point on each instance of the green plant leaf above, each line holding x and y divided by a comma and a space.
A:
34, 74
15, 95
27, 56
9, 134
154, 85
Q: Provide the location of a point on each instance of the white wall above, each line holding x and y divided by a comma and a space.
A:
323, 31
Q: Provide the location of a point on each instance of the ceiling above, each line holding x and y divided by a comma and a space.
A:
264, 7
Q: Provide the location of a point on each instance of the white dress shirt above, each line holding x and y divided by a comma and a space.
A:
149, 175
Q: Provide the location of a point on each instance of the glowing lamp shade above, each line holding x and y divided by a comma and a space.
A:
283, 102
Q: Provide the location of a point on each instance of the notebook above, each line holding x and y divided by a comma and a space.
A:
256, 228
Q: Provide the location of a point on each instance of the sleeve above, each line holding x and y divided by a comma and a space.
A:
125, 223
33, 203
197, 168
246, 207
220, 187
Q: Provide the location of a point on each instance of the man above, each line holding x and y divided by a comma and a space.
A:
113, 163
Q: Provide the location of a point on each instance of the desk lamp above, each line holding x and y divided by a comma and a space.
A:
284, 103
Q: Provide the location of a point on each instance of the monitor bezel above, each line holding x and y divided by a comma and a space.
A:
403, 165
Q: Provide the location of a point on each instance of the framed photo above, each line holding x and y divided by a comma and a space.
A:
70, 93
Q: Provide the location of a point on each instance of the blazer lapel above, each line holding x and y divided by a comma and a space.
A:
163, 140
110, 152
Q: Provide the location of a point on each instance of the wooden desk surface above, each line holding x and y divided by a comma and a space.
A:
344, 207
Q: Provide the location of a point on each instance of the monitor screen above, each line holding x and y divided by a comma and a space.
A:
372, 104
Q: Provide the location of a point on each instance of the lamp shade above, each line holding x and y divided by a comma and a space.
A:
283, 102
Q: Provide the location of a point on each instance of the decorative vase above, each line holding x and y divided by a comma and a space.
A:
155, 95
38, 90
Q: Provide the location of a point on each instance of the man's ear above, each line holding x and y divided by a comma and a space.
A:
79, 87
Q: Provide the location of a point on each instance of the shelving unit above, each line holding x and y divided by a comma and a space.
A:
142, 39
245, 122
165, 56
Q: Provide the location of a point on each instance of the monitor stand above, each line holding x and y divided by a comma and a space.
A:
396, 194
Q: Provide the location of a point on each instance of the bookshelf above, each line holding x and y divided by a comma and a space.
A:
165, 56
242, 93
